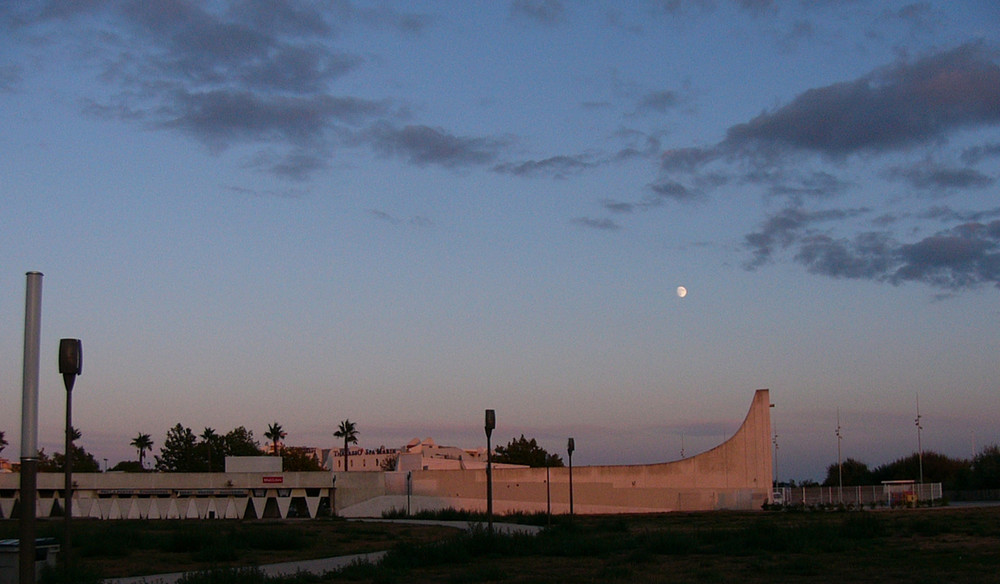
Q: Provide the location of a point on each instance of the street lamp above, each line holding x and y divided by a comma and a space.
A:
491, 424
70, 365
570, 447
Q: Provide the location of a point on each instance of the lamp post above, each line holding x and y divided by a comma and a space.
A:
409, 490
70, 365
570, 447
920, 447
29, 427
840, 465
776, 479
491, 424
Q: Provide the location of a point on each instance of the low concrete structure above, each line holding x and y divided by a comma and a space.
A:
734, 475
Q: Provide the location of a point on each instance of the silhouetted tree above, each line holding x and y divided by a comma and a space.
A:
3, 442
240, 442
952, 473
855, 473
211, 443
347, 430
128, 466
83, 461
275, 434
142, 443
295, 459
986, 468
179, 451
524, 451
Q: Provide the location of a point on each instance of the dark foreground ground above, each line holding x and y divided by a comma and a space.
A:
960, 545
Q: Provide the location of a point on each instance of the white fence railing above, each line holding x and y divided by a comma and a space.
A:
888, 494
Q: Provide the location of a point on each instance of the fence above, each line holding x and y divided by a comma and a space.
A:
888, 494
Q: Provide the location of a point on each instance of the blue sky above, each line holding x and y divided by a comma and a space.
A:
406, 213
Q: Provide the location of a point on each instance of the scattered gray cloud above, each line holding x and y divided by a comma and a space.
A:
657, 102
296, 165
946, 214
260, 73
601, 224
423, 145
222, 117
798, 185
866, 256
789, 226
673, 190
546, 12
619, 206
964, 256
976, 154
892, 113
931, 177
897, 107
555, 166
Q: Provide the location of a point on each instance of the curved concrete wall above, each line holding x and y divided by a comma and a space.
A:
734, 475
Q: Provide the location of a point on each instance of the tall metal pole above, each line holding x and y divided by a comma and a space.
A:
68, 484
29, 427
570, 447
70, 365
920, 446
777, 481
491, 424
840, 464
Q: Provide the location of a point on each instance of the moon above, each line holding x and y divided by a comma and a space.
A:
682, 291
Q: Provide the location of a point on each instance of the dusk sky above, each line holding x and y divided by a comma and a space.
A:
405, 213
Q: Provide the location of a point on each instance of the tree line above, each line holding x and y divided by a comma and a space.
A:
954, 474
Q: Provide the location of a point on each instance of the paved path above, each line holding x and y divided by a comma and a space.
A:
328, 564
312, 566
507, 528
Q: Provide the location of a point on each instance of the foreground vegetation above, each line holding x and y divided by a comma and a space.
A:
912, 546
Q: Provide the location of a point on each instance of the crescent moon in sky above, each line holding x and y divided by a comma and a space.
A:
682, 291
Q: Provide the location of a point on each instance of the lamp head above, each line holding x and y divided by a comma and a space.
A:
70, 360
491, 420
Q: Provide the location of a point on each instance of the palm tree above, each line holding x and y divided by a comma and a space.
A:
3, 442
348, 430
275, 434
209, 437
142, 443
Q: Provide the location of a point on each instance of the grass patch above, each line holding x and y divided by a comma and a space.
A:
921, 545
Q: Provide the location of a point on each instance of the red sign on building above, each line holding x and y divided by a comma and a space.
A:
273, 480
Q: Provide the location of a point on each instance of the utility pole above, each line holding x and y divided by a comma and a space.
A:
920, 447
840, 463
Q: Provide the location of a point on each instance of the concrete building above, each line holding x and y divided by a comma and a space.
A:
361, 459
734, 475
